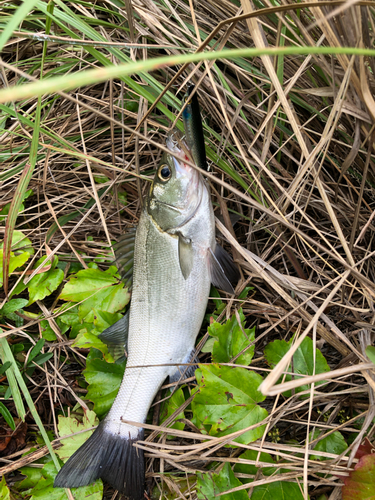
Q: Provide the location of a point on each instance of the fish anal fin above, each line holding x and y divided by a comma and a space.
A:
224, 272
107, 456
185, 255
116, 337
183, 372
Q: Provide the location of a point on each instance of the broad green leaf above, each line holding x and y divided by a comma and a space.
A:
44, 489
12, 306
72, 425
87, 339
104, 380
43, 284
209, 485
171, 405
7, 416
360, 484
303, 360
101, 289
87, 281
278, 490
232, 338
4, 490
88, 335
14, 262
227, 401
209, 345
33, 476
334, 443
252, 469
20, 242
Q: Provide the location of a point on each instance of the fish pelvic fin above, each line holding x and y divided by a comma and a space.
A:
110, 457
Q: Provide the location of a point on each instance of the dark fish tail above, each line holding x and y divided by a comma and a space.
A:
110, 457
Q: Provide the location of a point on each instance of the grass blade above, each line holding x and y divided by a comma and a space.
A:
7, 355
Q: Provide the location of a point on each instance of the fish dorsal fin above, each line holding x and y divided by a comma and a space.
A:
116, 337
124, 253
223, 269
185, 255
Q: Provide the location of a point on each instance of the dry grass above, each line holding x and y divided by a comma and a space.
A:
295, 139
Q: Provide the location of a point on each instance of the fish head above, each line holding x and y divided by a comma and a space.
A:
177, 188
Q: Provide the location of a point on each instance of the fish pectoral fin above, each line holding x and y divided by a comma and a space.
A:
183, 371
116, 337
185, 255
124, 253
223, 269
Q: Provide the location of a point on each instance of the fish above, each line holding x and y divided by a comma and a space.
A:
174, 259
192, 119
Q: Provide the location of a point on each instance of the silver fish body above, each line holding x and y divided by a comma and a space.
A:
174, 265
166, 311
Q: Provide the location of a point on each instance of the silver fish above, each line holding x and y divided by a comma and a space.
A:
176, 259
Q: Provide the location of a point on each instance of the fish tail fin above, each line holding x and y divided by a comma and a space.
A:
109, 456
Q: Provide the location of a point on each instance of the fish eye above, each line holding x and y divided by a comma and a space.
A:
164, 173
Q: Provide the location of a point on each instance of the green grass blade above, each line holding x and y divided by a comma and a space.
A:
16, 20
7, 353
82, 78
18, 198
7, 357
7, 416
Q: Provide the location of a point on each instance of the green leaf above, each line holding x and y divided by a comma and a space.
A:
209, 485
4, 490
33, 476
370, 351
14, 262
251, 469
83, 284
7, 417
88, 335
42, 358
43, 284
232, 338
334, 443
44, 489
101, 289
20, 242
4, 367
360, 484
35, 350
227, 401
104, 380
12, 306
278, 490
71, 425
303, 360
171, 405
87, 339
